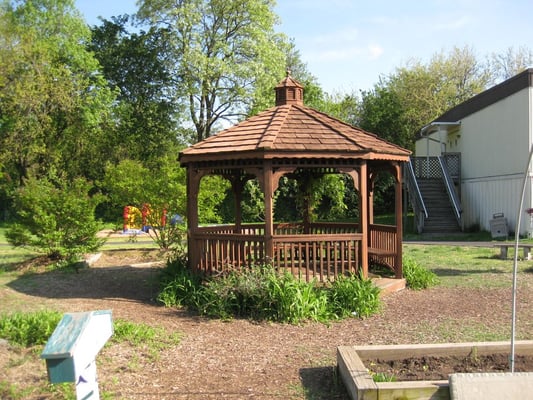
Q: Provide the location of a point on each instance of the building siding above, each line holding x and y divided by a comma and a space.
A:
482, 198
495, 140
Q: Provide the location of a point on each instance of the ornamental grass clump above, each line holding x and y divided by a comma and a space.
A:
354, 295
416, 276
295, 301
180, 287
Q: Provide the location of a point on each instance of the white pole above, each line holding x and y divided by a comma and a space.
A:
515, 262
87, 385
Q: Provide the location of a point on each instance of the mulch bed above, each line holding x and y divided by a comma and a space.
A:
238, 359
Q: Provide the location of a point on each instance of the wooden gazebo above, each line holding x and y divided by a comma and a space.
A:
281, 141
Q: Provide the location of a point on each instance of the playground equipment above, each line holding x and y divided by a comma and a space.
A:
137, 221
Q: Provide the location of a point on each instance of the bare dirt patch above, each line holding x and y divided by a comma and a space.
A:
439, 368
240, 359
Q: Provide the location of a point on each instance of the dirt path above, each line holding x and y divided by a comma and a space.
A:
243, 359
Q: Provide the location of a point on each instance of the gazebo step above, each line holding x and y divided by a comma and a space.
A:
389, 285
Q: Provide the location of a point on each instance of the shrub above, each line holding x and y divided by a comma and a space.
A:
29, 329
354, 295
295, 301
239, 293
416, 276
171, 234
56, 218
180, 287
262, 293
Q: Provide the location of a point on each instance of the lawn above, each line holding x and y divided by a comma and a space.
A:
466, 266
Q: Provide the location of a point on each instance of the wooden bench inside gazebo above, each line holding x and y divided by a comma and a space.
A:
291, 139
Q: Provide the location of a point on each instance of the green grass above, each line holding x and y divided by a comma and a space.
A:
450, 330
466, 266
10, 257
153, 340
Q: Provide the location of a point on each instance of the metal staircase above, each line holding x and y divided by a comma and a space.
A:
431, 185
441, 217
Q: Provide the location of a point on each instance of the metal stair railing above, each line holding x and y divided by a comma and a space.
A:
419, 207
450, 188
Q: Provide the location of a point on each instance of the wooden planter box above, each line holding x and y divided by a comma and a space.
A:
360, 385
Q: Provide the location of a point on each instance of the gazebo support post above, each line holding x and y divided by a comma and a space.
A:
371, 182
399, 221
268, 190
237, 186
193, 187
363, 193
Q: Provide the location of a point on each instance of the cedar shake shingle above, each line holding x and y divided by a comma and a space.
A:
290, 127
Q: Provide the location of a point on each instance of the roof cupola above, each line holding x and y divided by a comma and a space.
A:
289, 91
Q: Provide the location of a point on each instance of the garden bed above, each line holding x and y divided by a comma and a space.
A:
422, 370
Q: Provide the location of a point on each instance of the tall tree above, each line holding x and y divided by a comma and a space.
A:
222, 50
510, 63
414, 95
52, 98
147, 111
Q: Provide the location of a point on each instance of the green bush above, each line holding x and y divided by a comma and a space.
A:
29, 329
354, 295
240, 293
416, 276
295, 301
179, 287
262, 293
56, 218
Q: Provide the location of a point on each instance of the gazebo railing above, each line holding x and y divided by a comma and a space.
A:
285, 228
221, 252
382, 246
329, 250
320, 257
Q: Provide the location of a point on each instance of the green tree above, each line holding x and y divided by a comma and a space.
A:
162, 191
382, 112
131, 183
56, 218
222, 51
53, 101
414, 95
147, 112
264, 95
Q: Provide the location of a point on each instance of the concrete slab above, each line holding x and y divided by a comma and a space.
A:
491, 386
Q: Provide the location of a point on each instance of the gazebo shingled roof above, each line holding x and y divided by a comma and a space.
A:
293, 129
278, 141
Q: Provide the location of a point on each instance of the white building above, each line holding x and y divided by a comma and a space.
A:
493, 134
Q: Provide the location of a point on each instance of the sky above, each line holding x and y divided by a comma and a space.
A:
349, 44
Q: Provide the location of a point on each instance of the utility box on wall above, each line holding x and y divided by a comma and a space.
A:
71, 350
